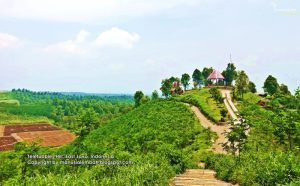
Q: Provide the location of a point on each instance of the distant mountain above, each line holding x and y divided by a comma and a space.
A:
96, 94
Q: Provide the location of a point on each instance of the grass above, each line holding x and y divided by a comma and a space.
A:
11, 112
7, 99
202, 99
6, 118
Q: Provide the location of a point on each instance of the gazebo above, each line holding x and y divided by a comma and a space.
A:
215, 77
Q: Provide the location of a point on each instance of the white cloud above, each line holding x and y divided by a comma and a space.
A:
117, 38
112, 38
85, 10
9, 41
74, 46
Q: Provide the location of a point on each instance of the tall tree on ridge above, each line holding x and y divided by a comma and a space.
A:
138, 97
166, 86
252, 87
284, 89
241, 83
230, 73
185, 78
206, 72
271, 85
197, 78
154, 95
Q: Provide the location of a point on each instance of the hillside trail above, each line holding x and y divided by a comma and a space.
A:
201, 176
228, 103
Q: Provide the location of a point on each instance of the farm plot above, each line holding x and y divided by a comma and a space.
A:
47, 134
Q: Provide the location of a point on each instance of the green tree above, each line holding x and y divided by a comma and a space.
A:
271, 85
89, 118
154, 95
252, 87
178, 88
236, 137
145, 99
286, 127
137, 97
166, 86
205, 73
230, 73
185, 78
241, 83
216, 95
197, 78
297, 93
284, 89
57, 114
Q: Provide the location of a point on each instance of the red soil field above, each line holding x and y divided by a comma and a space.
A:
48, 138
48, 134
7, 142
9, 129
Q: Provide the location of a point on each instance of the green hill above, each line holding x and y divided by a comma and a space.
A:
161, 138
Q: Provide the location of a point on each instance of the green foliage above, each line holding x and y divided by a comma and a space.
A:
65, 110
137, 97
256, 168
241, 83
160, 137
271, 85
252, 87
197, 78
216, 95
284, 89
270, 154
166, 86
154, 95
236, 137
202, 99
145, 99
206, 72
6, 118
223, 113
185, 78
230, 73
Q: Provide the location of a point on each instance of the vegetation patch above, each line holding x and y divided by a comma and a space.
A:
161, 137
203, 99
270, 155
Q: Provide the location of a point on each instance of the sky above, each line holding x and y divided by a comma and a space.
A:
121, 46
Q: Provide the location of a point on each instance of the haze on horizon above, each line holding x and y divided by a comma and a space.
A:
117, 47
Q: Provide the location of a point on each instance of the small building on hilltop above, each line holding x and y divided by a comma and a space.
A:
216, 78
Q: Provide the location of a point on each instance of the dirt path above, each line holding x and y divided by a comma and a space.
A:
203, 177
217, 146
228, 103
1, 130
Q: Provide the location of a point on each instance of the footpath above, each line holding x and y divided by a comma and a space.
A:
201, 176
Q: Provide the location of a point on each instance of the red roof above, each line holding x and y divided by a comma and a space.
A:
215, 75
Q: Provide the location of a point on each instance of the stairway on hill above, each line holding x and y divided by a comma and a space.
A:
198, 177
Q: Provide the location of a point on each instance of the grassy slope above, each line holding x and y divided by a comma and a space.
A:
12, 112
160, 137
202, 99
263, 161
7, 98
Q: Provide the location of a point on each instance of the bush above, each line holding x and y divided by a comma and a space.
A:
202, 99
